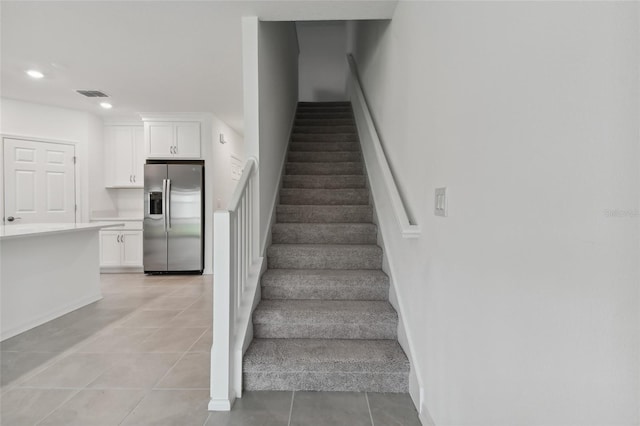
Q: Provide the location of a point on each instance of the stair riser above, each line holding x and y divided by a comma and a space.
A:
324, 168
347, 257
325, 197
320, 157
293, 233
312, 104
324, 147
319, 292
324, 122
324, 129
324, 137
324, 214
318, 381
322, 108
323, 182
347, 115
288, 330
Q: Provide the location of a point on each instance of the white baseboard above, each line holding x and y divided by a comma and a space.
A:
425, 417
220, 405
266, 238
48, 316
120, 269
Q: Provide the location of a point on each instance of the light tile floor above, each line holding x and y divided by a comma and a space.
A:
140, 356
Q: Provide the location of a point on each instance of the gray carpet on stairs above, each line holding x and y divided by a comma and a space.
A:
324, 322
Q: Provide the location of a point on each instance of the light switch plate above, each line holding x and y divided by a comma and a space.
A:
440, 207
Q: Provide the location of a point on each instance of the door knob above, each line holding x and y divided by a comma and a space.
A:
11, 218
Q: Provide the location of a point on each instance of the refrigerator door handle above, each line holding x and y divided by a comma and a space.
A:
168, 215
164, 203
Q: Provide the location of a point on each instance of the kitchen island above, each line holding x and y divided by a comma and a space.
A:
46, 270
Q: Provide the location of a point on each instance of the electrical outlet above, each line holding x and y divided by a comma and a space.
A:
440, 208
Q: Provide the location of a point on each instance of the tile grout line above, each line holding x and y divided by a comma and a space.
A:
178, 360
69, 398
134, 407
207, 419
152, 388
366, 396
76, 348
293, 395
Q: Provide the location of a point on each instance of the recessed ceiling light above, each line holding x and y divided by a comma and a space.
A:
35, 74
106, 105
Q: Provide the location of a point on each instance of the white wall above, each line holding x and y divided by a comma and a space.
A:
322, 65
47, 122
270, 56
523, 303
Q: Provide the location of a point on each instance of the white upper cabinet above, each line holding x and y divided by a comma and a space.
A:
124, 156
172, 139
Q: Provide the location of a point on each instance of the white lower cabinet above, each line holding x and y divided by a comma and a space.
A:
131, 248
120, 248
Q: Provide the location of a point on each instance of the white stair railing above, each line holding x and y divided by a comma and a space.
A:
235, 277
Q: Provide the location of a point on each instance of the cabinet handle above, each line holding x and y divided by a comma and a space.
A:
175, 149
121, 238
134, 178
118, 238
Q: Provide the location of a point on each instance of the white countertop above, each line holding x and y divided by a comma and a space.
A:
118, 218
34, 229
109, 215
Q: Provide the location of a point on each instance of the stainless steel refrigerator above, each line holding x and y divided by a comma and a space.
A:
173, 217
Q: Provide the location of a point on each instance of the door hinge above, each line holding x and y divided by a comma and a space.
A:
74, 159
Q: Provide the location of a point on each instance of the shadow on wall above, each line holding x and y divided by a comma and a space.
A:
361, 46
323, 95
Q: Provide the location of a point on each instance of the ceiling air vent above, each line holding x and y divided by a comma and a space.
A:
92, 93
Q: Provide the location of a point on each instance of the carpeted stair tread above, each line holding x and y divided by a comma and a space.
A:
324, 146
324, 129
324, 322
329, 115
331, 197
324, 137
325, 319
324, 157
324, 121
325, 284
324, 233
324, 256
326, 168
326, 365
324, 104
323, 181
324, 214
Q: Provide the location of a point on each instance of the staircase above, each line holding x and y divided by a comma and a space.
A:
324, 322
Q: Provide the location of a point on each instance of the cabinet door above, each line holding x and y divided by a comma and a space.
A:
110, 248
131, 248
118, 145
138, 157
187, 140
160, 139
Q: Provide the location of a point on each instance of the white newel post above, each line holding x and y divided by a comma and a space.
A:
222, 392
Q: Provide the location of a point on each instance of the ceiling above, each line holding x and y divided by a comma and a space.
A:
148, 56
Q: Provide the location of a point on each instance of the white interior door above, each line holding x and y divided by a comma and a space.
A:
39, 182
